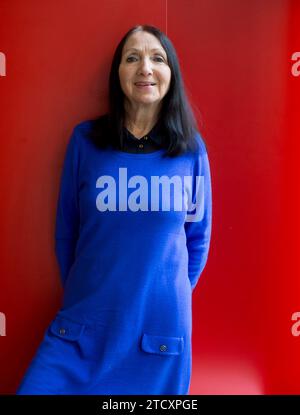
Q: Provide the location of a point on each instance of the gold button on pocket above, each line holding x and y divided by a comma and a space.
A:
163, 348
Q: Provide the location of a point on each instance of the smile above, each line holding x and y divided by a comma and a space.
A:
144, 85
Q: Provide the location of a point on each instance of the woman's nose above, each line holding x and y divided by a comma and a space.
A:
145, 66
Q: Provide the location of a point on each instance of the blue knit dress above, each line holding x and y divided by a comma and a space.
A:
132, 239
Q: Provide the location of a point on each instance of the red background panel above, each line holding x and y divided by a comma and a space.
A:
236, 61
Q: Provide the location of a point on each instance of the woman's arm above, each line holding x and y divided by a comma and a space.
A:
67, 213
198, 232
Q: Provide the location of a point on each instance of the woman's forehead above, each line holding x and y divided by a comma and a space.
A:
142, 40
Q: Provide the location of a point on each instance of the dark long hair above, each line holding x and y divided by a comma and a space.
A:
176, 119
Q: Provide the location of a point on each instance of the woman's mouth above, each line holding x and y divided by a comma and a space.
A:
145, 85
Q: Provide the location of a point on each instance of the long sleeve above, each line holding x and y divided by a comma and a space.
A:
198, 228
67, 214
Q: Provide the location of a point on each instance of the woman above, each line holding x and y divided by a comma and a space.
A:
132, 235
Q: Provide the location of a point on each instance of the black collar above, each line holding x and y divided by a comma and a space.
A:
154, 134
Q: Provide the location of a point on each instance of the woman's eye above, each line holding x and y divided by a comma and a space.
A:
156, 59
130, 58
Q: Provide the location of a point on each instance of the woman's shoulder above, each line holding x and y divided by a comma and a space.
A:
201, 143
198, 145
90, 125
94, 131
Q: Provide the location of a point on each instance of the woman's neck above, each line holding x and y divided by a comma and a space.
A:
140, 121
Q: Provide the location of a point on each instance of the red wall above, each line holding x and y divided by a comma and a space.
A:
236, 61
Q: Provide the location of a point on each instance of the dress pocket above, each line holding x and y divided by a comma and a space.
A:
89, 342
67, 337
162, 345
66, 329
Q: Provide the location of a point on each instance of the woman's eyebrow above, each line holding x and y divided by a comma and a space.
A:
152, 50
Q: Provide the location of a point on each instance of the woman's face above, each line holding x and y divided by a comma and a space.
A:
144, 63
